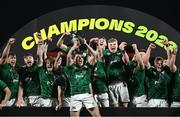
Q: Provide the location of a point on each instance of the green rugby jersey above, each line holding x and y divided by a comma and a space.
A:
48, 83
63, 81
176, 86
115, 66
158, 84
138, 77
2, 87
99, 79
10, 76
79, 78
30, 80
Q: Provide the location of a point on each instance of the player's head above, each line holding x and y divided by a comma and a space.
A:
102, 42
75, 39
165, 62
134, 58
158, 63
59, 62
29, 60
142, 54
49, 62
11, 59
78, 60
112, 45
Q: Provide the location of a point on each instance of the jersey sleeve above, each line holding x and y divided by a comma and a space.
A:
167, 70
67, 49
3, 85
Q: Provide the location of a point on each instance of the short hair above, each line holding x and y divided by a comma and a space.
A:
102, 37
50, 58
112, 40
158, 58
28, 54
11, 54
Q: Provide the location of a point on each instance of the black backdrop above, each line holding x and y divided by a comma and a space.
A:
15, 14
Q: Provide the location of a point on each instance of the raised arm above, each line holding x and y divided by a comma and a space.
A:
40, 50
92, 53
69, 59
172, 65
45, 50
138, 56
56, 61
7, 50
125, 56
148, 54
60, 42
166, 46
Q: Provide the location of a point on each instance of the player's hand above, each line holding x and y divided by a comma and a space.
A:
134, 46
174, 51
84, 41
67, 33
152, 45
59, 53
39, 36
1, 106
11, 41
75, 43
58, 106
165, 43
20, 103
122, 45
49, 39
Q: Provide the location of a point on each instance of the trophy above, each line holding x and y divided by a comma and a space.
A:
80, 37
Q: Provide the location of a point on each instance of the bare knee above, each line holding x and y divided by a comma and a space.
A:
74, 113
94, 111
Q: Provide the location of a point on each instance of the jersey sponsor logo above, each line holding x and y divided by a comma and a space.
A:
15, 80
156, 82
28, 79
79, 76
163, 72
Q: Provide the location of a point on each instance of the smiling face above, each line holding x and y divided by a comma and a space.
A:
49, 65
12, 60
112, 46
59, 62
158, 63
102, 43
142, 54
29, 60
78, 60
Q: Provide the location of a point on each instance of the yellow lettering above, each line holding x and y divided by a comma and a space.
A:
28, 46
100, 21
72, 26
53, 30
82, 23
116, 25
128, 27
92, 22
